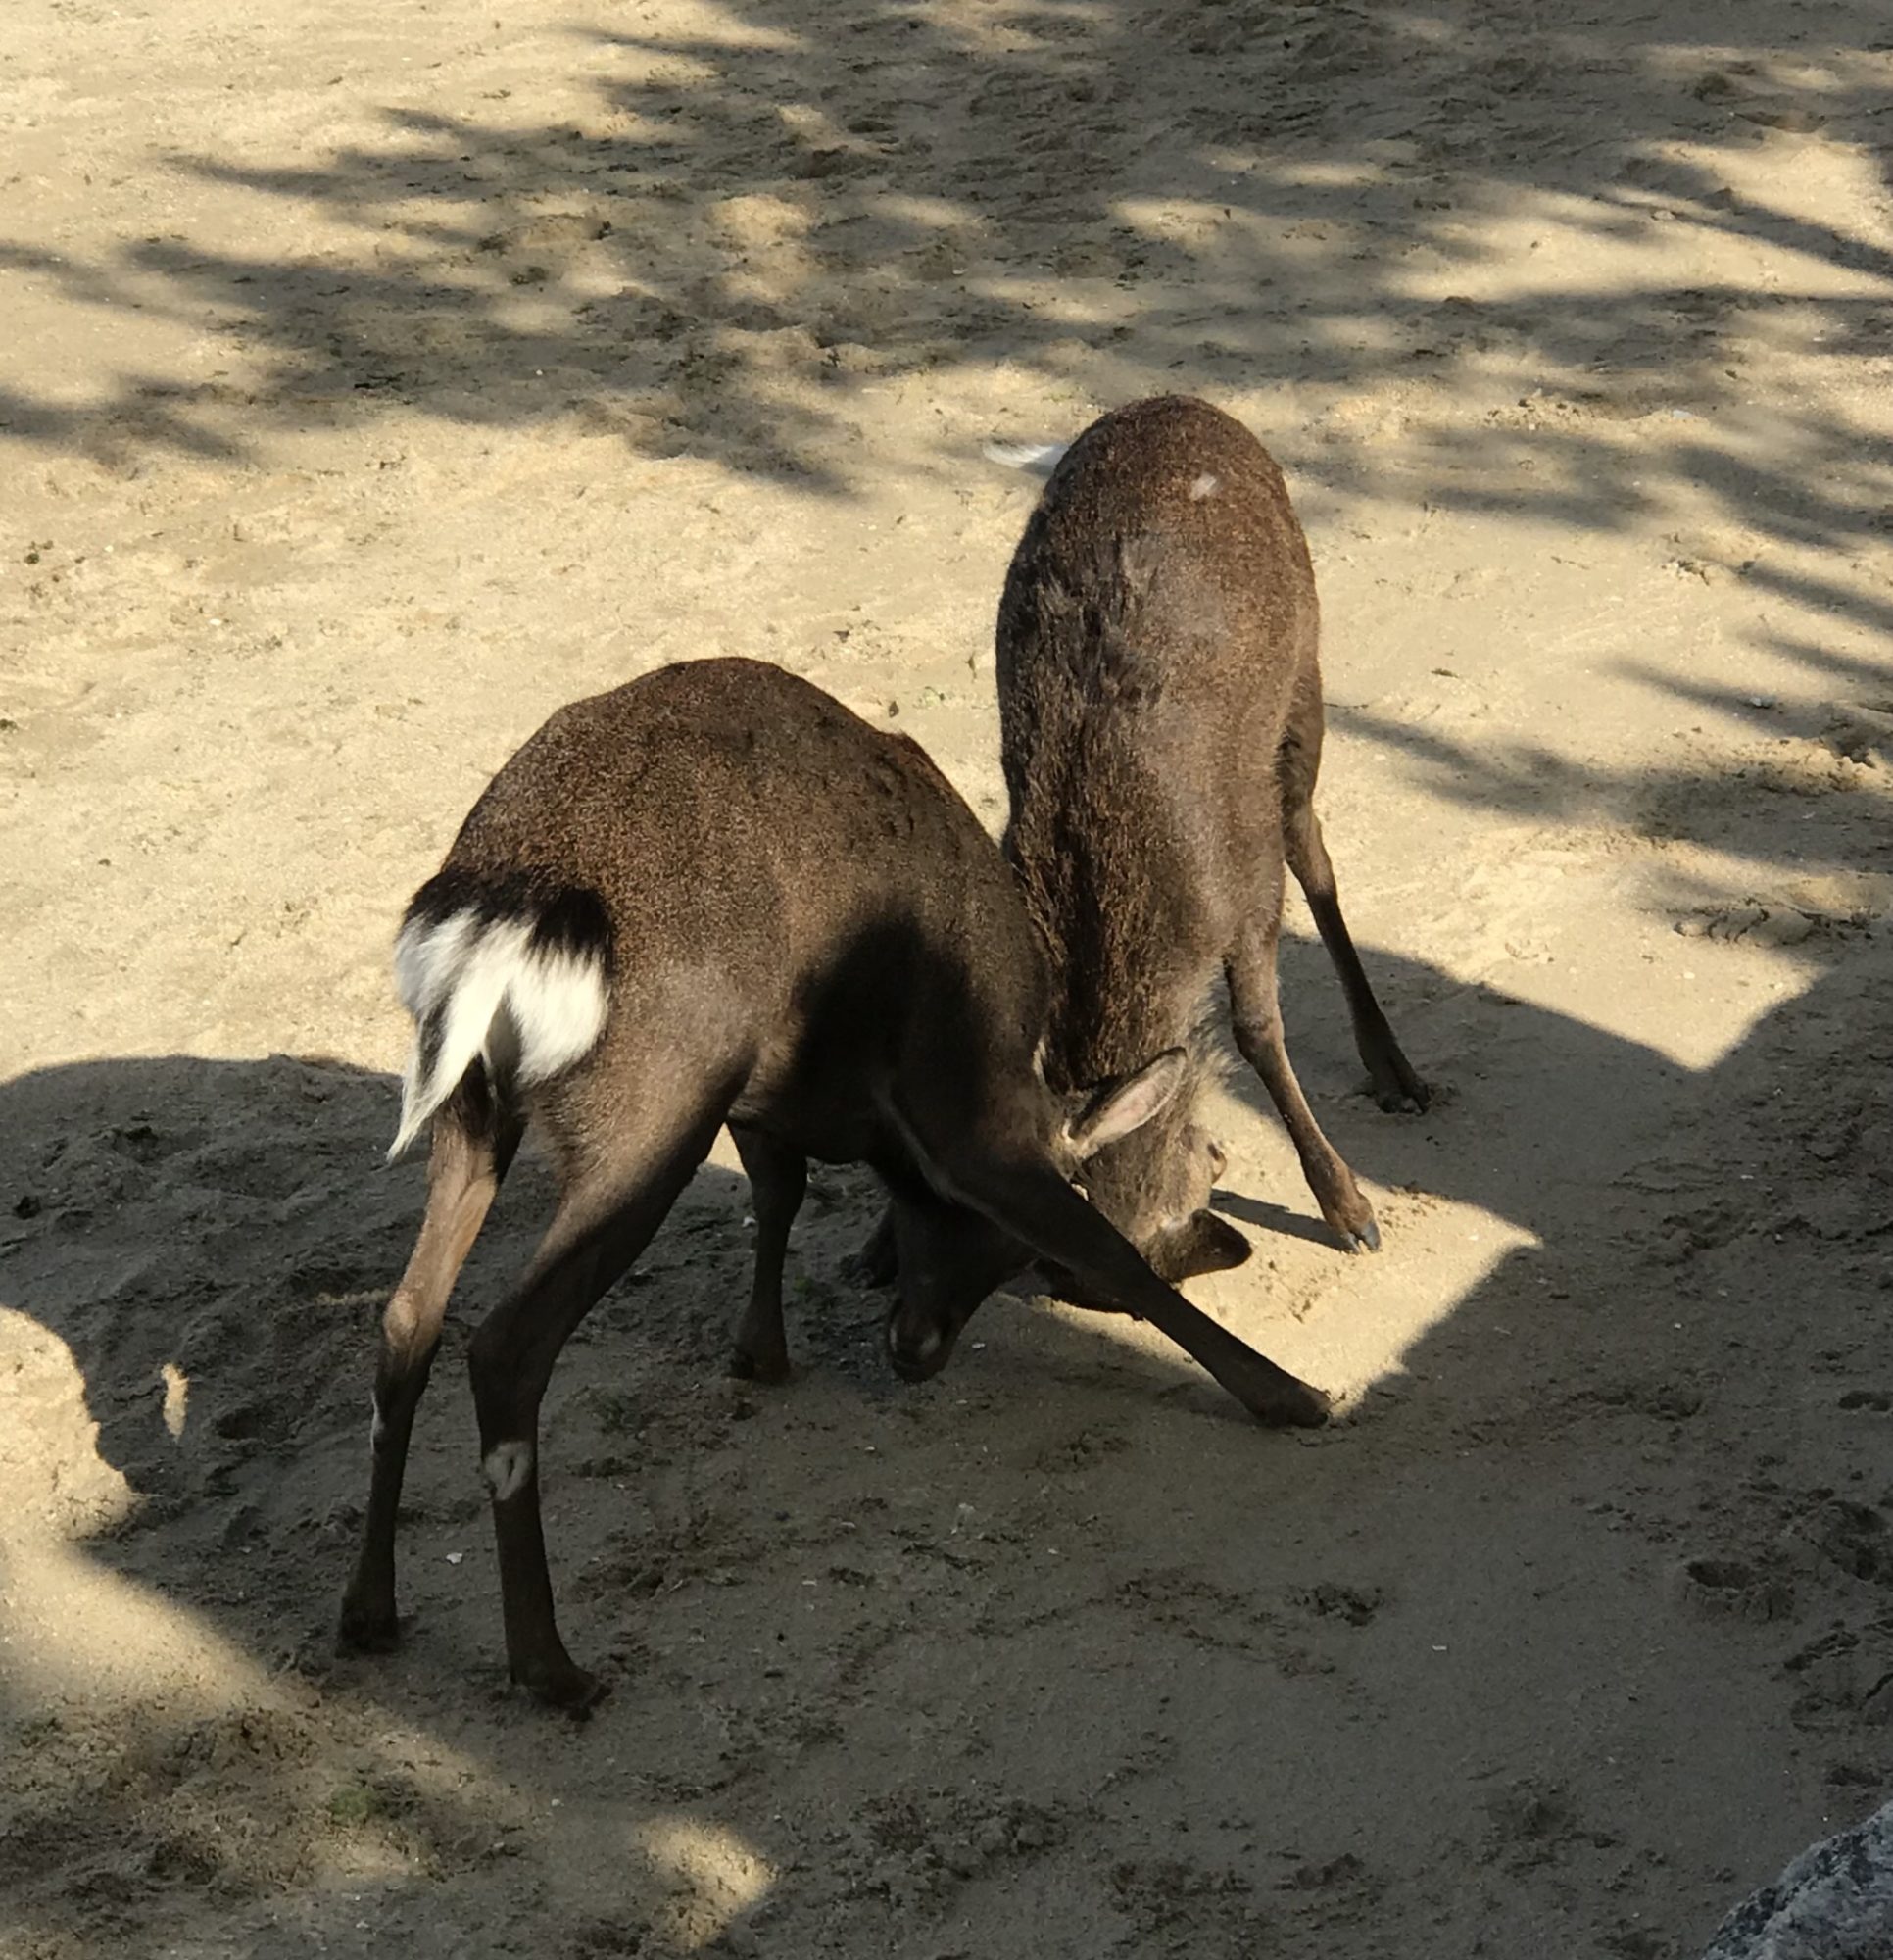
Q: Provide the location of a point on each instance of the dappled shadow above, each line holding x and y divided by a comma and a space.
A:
883, 1655
1788, 791
904, 1666
744, 226
193, 1260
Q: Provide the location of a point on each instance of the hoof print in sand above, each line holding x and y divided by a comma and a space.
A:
1727, 1587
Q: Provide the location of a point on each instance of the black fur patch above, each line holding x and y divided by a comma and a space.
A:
564, 918
432, 1032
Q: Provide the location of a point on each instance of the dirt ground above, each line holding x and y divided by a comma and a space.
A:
375, 380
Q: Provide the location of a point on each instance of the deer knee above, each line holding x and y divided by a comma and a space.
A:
409, 1333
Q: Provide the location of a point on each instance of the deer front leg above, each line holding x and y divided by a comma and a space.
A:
778, 1177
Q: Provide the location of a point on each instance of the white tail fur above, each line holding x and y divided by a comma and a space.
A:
1036, 459
529, 1011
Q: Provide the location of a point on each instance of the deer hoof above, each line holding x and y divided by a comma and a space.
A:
564, 1686
366, 1628
748, 1367
1290, 1404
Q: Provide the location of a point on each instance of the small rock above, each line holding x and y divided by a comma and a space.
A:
1736, 922
1725, 1586
833, 161
1859, 730
1834, 1902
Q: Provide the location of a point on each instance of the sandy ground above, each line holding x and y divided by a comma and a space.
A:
373, 380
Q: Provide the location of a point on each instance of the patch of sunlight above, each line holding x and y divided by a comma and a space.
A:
53, 1481
1684, 62
1699, 1008
759, 219
86, 1643
177, 1396
938, 213
74, 1631
1067, 307
1341, 1321
1011, 30
713, 1875
1340, 175
1431, 28
70, 1627
707, 23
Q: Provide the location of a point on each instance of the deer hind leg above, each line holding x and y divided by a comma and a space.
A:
1396, 1085
474, 1141
618, 1189
1255, 1014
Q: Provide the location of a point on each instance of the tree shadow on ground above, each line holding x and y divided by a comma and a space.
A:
745, 226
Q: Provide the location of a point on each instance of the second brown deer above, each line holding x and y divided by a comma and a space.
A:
1161, 709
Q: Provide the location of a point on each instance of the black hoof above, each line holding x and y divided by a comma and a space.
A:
1311, 1409
1282, 1401
568, 1689
767, 1368
367, 1630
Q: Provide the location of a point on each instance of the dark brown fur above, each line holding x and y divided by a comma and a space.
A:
1161, 714
806, 936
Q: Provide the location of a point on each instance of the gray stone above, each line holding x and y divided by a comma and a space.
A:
1834, 1902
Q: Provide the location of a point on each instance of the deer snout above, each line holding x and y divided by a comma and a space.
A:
919, 1344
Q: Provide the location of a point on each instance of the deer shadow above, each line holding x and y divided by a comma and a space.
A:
777, 1579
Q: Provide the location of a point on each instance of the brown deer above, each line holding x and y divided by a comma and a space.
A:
1160, 711
715, 895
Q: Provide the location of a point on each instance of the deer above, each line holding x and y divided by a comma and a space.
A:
1161, 724
717, 897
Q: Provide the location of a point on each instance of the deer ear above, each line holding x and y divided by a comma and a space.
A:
1115, 1108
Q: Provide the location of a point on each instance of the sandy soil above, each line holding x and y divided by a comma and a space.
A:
376, 379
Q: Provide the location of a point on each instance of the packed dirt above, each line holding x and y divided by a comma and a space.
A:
375, 379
